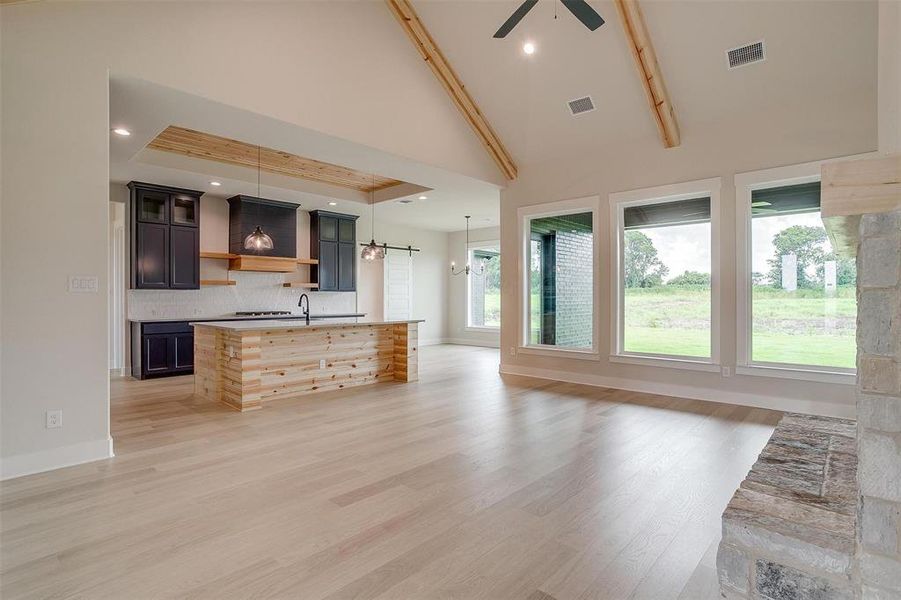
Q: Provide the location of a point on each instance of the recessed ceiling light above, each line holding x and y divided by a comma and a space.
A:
528, 48
333, 204
215, 183
121, 131
423, 197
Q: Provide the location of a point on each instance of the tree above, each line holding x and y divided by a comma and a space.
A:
806, 243
694, 278
640, 263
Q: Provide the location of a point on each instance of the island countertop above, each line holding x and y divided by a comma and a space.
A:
270, 324
245, 363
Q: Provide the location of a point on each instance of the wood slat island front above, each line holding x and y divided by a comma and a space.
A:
242, 364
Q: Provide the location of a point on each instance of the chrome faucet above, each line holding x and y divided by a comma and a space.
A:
306, 311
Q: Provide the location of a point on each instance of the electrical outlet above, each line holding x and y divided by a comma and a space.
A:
727, 371
512, 350
54, 419
321, 363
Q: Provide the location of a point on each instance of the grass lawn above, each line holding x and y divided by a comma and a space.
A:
802, 327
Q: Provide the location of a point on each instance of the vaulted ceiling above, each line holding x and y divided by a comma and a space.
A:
816, 52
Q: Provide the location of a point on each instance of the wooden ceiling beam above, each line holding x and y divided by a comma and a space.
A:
649, 70
428, 49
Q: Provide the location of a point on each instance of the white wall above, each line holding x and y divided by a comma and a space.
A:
889, 76
457, 301
789, 137
281, 60
429, 276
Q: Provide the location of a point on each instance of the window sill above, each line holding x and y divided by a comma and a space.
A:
665, 361
560, 352
473, 329
843, 378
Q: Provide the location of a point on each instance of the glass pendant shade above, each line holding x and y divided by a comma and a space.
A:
372, 251
258, 240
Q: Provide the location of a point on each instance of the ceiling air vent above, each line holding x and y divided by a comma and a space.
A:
739, 57
581, 105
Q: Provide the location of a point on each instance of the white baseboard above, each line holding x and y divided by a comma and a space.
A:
686, 391
123, 372
432, 342
55, 458
469, 342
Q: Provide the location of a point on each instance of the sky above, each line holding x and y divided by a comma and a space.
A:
687, 247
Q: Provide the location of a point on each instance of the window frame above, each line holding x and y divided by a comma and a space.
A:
745, 185
467, 326
525, 215
619, 201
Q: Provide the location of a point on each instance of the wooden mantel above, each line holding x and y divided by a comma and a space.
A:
854, 188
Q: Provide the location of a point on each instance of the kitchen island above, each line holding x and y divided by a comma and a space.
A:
245, 363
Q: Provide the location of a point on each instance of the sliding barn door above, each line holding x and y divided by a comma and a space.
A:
398, 286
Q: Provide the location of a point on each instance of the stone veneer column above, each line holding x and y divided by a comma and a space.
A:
879, 405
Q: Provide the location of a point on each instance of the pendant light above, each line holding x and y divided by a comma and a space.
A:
372, 251
258, 241
467, 269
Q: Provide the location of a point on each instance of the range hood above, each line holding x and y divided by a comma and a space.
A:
277, 218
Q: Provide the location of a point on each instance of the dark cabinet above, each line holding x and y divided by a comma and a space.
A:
152, 206
150, 269
184, 258
161, 349
165, 237
182, 352
347, 267
156, 353
328, 266
333, 242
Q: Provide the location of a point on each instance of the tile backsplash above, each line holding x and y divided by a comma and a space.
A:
253, 291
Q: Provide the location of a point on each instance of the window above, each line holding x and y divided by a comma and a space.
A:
803, 306
558, 288
666, 287
484, 287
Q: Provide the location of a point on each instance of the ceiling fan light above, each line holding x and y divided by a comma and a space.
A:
258, 241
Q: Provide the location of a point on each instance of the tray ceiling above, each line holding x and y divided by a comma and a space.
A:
197, 144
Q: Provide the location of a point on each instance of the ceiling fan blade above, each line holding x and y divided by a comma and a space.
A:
515, 18
582, 11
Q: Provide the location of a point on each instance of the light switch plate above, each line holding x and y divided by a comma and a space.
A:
84, 284
54, 419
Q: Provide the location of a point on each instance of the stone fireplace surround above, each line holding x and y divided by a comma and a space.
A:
819, 515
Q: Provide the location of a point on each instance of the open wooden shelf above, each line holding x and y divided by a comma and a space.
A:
266, 264
307, 261
297, 284
217, 282
219, 255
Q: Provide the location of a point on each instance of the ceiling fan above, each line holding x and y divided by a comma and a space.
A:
579, 8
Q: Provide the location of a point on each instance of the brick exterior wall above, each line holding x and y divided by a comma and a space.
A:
879, 405
575, 284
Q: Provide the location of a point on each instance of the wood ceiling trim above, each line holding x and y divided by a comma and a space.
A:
428, 49
197, 144
649, 70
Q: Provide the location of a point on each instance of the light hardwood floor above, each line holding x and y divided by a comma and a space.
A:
463, 485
